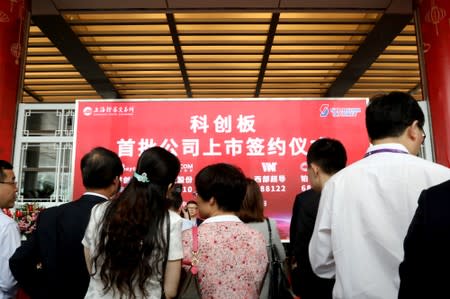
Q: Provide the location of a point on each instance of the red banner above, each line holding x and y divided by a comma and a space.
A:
13, 28
267, 139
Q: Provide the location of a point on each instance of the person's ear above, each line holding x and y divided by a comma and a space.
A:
212, 202
168, 190
412, 138
315, 169
116, 186
415, 133
116, 181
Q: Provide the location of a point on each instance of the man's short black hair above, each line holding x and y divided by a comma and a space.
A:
388, 115
192, 202
329, 154
3, 166
100, 167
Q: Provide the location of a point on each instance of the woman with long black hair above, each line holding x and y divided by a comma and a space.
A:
126, 246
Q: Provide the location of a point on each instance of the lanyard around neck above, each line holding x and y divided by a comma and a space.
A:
385, 150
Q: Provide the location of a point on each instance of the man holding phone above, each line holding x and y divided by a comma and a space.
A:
192, 211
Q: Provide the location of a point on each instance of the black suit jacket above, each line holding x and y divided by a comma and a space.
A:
424, 272
51, 263
305, 283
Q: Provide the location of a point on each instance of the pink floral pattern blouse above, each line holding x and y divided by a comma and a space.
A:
232, 258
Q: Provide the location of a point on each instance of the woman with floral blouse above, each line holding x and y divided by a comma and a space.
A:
232, 256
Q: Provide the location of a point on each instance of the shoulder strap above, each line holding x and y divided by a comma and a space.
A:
270, 232
195, 238
272, 249
194, 259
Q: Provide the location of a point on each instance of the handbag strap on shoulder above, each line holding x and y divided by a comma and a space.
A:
272, 249
194, 259
270, 232
195, 238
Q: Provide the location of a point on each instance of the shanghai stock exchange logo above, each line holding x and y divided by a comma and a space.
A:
87, 111
324, 110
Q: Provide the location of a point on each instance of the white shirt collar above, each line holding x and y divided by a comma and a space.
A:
222, 218
96, 194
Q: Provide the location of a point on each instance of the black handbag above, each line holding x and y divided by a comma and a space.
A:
279, 286
189, 286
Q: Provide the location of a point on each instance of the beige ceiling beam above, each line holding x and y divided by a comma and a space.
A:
53, 25
397, 16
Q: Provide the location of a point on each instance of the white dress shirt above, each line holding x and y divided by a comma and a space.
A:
9, 241
364, 214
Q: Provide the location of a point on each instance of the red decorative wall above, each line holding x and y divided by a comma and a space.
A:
13, 28
435, 29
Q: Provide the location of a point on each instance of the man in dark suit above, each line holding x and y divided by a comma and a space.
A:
325, 157
51, 263
424, 272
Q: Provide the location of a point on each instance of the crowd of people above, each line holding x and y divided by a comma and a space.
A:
377, 228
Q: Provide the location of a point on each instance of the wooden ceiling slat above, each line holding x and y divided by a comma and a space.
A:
124, 86
205, 85
155, 91
224, 91
213, 95
144, 73
291, 95
222, 79
72, 87
147, 80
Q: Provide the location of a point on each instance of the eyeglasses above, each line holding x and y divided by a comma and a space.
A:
424, 137
9, 183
